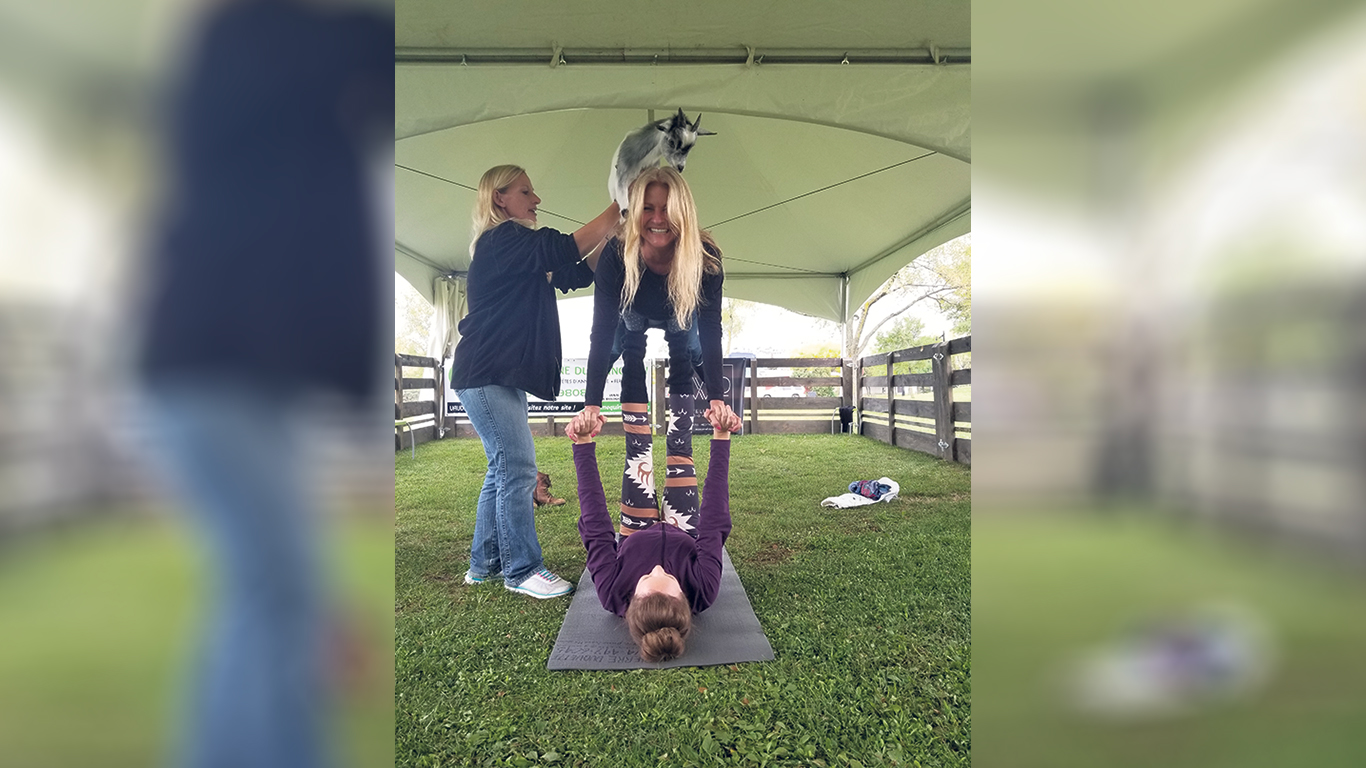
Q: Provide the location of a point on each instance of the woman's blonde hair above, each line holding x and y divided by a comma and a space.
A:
659, 624
690, 260
487, 214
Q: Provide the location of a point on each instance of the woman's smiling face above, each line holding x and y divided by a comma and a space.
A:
656, 231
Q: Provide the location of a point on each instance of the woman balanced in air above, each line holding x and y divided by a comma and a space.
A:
662, 272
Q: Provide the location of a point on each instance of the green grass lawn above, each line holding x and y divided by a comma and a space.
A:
867, 610
1048, 588
98, 625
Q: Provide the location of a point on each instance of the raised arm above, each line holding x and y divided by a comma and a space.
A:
715, 525
607, 281
595, 523
590, 235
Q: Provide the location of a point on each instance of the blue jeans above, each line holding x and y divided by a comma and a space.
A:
232, 451
504, 521
685, 355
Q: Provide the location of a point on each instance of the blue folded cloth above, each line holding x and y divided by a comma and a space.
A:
870, 488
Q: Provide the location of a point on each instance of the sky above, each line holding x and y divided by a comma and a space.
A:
768, 330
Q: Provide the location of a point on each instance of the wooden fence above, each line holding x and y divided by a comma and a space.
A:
415, 422
921, 406
809, 413
941, 424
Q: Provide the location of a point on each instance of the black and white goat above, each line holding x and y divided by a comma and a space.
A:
671, 139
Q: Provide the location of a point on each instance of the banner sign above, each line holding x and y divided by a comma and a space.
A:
573, 383
733, 372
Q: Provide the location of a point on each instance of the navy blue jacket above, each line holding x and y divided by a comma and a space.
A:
267, 258
511, 336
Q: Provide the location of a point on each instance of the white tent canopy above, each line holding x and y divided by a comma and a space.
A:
824, 178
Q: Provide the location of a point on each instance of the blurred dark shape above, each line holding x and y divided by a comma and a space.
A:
1176, 663
266, 269
265, 294
1124, 456
1273, 444
846, 417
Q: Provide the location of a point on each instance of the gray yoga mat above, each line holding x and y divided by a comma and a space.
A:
728, 632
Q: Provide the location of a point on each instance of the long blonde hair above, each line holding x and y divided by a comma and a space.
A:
690, 260
487, 214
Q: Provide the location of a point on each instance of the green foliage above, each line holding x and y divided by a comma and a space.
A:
412, 319
818, 350
905, 333
957, 271
867, 610
942, 275
734, 313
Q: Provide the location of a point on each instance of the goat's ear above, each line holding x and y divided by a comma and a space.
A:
662, 125
698, 130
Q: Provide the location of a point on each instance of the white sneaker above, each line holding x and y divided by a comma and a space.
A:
542, 584
471, 579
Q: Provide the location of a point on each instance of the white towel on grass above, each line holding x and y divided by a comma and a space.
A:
846, 500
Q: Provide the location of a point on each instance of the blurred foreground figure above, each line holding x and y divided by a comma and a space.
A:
1176, 664
263, 295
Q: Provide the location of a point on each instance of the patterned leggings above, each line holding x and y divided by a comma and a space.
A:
638, 505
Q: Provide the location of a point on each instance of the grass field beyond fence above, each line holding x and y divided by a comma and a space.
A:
867, 610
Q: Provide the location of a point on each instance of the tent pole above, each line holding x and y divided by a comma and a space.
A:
932, 56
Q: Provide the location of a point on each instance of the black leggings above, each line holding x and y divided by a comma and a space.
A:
633, 386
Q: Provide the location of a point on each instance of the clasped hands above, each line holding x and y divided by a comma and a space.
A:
587, 423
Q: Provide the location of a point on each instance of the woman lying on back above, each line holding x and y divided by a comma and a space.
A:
658, 576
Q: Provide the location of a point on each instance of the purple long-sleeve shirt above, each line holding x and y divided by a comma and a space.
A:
616, 568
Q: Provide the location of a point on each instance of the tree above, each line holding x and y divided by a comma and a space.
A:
905, 333
942, 275
734, 313
818, 350
412, 319
959, 305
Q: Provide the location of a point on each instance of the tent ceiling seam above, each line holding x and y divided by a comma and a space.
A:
743, 55
472, 189
822, 189
415, 256
434, 176
958, 212
774, 266
782, 276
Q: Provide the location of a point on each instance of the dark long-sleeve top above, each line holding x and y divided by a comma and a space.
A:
617, 567
511, 336
651, 301
264, 255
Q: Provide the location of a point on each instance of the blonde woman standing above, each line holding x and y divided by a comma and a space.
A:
664, 272
509, 348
